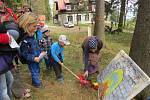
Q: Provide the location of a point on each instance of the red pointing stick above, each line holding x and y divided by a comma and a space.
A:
81, 78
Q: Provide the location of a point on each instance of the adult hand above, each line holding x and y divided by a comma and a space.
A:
86, 74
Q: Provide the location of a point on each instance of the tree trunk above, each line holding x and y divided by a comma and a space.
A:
47, 9
77, 18
99, 20
140, 46
126, 12
122, 12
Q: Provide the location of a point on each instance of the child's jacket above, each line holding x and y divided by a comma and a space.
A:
90, 58
29, 49
56, 51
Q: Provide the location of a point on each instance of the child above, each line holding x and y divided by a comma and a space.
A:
91, 47
46, 44
57, 56
38, 34
29, 48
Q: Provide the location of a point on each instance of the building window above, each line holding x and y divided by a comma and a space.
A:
79, 17
56, 5
87, 17
70, 18
93, 8
68, 7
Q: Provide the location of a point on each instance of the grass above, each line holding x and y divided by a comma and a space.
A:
71, 89
115, 43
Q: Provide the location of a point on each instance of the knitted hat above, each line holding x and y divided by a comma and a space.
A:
92, 43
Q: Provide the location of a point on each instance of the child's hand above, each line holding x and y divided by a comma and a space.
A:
42, 54
61, 63
36, 59
86, 74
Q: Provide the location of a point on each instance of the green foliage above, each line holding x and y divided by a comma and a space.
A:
114, 16
130, 24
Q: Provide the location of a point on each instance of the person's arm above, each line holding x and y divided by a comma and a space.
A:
85, 48
85, 52
54, 53
85, 57
62, 55
4, 38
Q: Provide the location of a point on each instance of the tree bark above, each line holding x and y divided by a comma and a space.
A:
47, 9
126, 11
122, 12
140, 46
99, 20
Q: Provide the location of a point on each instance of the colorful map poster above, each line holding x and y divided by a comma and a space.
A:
123, 77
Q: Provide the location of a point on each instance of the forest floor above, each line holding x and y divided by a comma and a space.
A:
71, 89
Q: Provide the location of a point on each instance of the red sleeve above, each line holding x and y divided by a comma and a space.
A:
4, 39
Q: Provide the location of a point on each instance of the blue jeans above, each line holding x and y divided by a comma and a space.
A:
35, 73
6, 81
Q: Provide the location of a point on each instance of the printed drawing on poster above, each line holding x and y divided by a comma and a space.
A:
122, 79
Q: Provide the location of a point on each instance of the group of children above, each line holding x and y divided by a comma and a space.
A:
39, 45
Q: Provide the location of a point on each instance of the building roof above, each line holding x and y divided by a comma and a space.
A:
61, 4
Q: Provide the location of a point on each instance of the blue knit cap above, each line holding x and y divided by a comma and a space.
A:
92, 43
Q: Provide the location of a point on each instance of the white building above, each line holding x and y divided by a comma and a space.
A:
74, 12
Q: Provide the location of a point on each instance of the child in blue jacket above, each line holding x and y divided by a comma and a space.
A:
29, 48
57, 54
